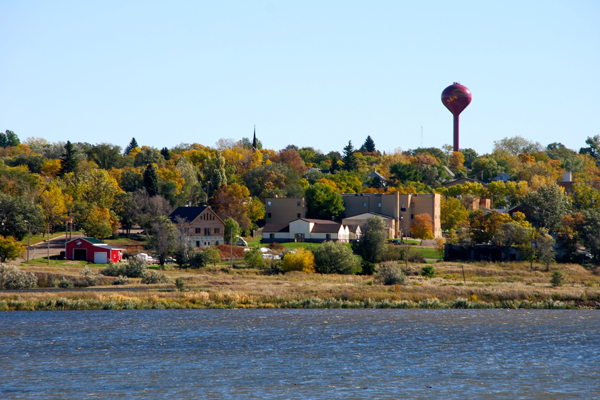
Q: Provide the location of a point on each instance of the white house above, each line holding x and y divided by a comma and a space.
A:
306, 230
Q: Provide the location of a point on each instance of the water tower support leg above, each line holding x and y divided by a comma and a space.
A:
456, 145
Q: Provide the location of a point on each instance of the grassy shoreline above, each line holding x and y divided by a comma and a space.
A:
484, 285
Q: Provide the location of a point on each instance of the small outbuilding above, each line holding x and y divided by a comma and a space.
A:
92, 250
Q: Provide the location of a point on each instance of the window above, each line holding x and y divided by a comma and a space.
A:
206, 231
379, 205
268, 203
365, 204
412, 216
198, 230
271, 235
298, 215
217, 243
217, 230
268, 215
197, 243
298, 203
328, 236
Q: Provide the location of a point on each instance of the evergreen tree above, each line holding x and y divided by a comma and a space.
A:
369, 145
3, 140
151, 180
166, 153
372, 242
349, 159
68, 162
132, 145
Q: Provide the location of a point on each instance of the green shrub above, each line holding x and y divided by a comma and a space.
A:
180, 284
65, 283
88, 277
12, 277
390, 273
121, 280
558, 278
152, 277
428, 271
253, 258
367, 268
134, 268
335, 258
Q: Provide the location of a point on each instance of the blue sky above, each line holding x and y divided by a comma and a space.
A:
311, 73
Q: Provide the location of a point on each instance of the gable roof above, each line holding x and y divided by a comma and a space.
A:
368, 215
271, 227
187, 214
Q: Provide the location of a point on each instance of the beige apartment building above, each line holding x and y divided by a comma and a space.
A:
282, 210
402, 207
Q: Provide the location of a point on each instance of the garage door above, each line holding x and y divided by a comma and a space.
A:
101, 257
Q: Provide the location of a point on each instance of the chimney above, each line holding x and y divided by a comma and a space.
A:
567, 177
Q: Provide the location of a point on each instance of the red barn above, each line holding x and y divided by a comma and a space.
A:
92, 250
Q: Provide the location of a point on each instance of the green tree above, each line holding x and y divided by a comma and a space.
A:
132, 145
594, 146
349, 159
336, 258
322, 201
470, 156
11, 139
105, 155
16, 213
453, 212
545, 249
10, 249
369, 145
3, 140
69, 160
546, 206
402, 173
588, 232
486, 168
218, 176
212, 255
232, 230
162, 238
147, 155
517, 145
254, 259
127, 210
372, 242
151, 180
165, 153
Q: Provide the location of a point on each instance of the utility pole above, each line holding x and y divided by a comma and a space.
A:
28, 238
48, 242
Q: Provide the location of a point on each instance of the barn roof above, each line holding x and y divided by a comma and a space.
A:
188, 214
92, 240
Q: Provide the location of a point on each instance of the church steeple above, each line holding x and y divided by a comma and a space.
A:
254, 146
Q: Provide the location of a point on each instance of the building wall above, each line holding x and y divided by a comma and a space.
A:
391, 205
282, 210
206, 230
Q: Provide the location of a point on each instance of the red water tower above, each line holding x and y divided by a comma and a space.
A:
456, 98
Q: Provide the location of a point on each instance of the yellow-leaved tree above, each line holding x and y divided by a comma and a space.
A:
54, 205
300, 260
422, 228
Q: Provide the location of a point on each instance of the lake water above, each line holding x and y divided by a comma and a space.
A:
280, 354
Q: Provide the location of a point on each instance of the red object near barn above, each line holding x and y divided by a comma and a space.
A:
92, 250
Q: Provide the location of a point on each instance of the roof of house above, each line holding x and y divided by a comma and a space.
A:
96, 243
271, 227
368, 215
353, 228
187, 214
326, 228
376, 174
92, 240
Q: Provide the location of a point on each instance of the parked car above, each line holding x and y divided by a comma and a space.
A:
241, 242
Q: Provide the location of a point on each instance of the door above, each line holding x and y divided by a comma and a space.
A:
100, 257
79, 254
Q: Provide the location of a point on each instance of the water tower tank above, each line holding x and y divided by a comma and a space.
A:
456, 98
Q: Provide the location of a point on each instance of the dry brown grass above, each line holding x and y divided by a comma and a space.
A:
249, 288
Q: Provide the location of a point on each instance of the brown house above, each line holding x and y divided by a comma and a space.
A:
201, 226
